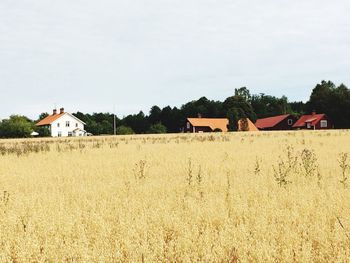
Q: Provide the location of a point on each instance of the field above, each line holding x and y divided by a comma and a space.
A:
241, 197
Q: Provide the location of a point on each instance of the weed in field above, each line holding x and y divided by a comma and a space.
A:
140, 169
257, 166
285, 167
309, 163
228, 195
189, 172
345, 167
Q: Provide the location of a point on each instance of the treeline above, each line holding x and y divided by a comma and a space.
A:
326, 97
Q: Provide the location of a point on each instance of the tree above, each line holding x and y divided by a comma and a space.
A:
42, 116
138, 122
155, 115
333, 101
320, 99
16, 127
124, 130
267, 106
244, 93
236, 108
43, 131
172, 119
157, 128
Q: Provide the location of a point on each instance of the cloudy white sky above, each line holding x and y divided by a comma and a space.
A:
89, 55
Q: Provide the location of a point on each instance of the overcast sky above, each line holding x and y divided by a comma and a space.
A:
89, 55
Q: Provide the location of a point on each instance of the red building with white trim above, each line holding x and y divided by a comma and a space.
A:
314, 122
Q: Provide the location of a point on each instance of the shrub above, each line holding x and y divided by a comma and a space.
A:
157, 129
124, 130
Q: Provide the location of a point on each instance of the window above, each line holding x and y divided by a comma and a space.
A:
76, 125
324, 124
59, 134
70, 134
308, 125
67, 123
188, 125
58, 124
290, 122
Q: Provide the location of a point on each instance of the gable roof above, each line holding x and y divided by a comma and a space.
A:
212, 123
51, 118
270, 121
250, 125
311, 118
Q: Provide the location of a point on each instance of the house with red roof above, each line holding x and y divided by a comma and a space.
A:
276, 123
63, 124
314, 122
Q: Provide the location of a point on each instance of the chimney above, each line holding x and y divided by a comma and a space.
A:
61, 110
54, 112
313, 112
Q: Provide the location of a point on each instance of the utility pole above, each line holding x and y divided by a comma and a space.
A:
114, 122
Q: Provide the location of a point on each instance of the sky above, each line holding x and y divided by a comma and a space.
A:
127, 55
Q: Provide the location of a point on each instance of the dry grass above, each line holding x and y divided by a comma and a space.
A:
176, 198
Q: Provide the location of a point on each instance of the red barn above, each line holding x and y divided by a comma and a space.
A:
276, 123
314, 122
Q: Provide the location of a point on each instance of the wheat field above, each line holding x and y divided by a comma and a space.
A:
240, 197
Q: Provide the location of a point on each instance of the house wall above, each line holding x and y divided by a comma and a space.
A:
329, 124
73, 124
284, 125
197, 129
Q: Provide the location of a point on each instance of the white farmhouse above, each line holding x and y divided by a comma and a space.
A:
63, 124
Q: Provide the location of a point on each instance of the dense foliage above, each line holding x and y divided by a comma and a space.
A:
326, 97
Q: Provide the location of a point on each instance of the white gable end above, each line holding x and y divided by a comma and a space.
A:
67, 125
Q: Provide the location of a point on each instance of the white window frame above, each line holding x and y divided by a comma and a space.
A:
67, 123
290, 122
308, 125
324, 124
59, 134
70, 134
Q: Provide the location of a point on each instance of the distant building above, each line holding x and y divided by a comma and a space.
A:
246, 124
206, 125
314, 122
63, 124
276, 123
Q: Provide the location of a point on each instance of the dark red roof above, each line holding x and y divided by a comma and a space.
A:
311, 118
270, 122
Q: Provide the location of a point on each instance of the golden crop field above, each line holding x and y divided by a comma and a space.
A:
240, 197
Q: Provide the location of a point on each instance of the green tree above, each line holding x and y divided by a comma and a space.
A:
244, 93
42, 116
138, 122
16, 127
157, 128
155, 115
267, 106
124, 130
333, 101
43, 131
236, 108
